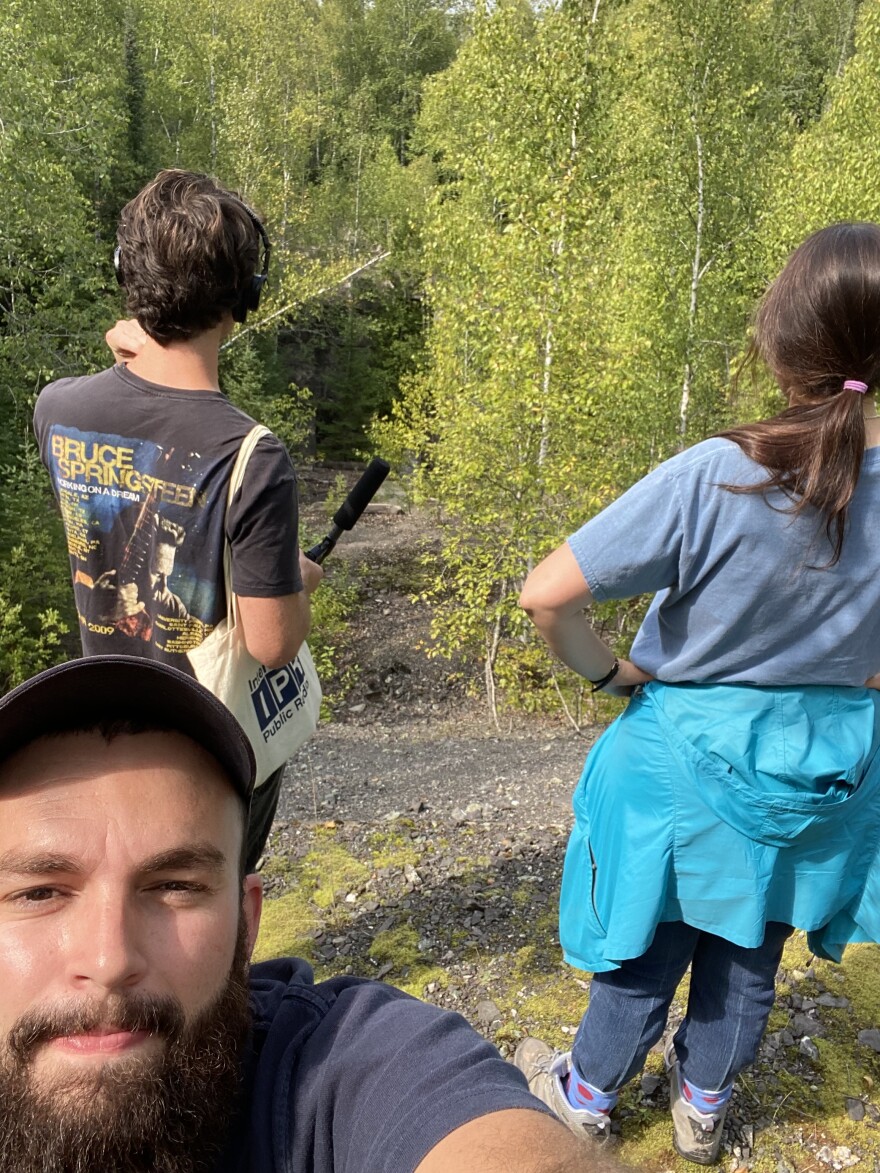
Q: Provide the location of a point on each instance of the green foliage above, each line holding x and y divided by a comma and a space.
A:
574, 215
62, 142
61, 124
508, 123
834, 167
307, 109
36, 603
352, 352
253, 376
592, 250
332, 606
27, 647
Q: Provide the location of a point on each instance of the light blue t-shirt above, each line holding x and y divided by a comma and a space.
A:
744, 594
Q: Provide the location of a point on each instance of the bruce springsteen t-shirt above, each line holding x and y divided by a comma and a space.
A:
141, 473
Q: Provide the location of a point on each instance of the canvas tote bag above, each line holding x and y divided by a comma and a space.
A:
278, 708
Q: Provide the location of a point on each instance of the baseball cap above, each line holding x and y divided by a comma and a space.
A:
85, 692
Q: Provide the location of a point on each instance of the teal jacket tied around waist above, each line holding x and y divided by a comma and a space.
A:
726, 806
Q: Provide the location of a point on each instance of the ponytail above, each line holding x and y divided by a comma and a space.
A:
818, 331
813, 453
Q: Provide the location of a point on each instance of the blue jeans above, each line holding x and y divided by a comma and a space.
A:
731, 995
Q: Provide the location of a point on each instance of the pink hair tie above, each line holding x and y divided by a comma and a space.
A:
855, 385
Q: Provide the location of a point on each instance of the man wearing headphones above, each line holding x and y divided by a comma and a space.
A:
141, 454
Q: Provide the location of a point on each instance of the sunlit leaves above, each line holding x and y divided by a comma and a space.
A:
593, 251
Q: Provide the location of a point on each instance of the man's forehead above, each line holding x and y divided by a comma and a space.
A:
67, 756
147, 800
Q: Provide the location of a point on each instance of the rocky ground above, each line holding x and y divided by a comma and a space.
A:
416, 844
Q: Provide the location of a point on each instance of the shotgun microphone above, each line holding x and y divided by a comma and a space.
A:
352, 507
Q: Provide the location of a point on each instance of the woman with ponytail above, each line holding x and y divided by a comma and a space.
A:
738, 796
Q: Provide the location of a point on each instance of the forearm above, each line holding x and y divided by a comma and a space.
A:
516, 1140
274, 629
555, 596
572, 639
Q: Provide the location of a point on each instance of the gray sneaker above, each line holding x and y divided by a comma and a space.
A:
696, 1137
545, 1070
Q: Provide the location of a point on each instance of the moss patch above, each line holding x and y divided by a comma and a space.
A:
861, 981
329, 870
410, 971
286, 928
817, 1106
398, 947
522, 896
314, 882
391, 849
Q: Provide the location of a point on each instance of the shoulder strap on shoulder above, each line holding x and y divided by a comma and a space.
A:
248, 444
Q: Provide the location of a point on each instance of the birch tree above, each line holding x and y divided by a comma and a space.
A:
495, 412
834, 169
592, 254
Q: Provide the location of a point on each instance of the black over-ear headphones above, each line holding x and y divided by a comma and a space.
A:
249, 296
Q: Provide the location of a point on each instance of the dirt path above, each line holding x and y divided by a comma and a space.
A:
365, 773
405, 731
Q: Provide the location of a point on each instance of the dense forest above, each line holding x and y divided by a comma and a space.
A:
515, 245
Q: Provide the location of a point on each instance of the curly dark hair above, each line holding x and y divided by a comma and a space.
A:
187, 249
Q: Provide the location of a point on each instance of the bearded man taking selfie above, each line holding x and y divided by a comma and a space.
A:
135, 1037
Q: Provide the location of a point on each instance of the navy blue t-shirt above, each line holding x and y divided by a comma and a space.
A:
353, 1076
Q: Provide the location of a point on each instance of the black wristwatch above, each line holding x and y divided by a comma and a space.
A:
598, 685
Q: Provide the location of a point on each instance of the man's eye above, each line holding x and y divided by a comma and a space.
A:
181, 886
35, 895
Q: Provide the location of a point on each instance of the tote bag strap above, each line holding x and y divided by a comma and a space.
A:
236, 480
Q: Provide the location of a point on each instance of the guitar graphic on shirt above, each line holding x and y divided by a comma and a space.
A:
147, 560
139, 623
136, 577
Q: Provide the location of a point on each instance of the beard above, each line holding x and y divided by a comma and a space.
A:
166, 1114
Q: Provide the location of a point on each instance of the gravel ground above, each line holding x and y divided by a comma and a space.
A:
405, 731
356, 774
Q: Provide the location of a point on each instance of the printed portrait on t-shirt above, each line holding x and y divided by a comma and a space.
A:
135, 516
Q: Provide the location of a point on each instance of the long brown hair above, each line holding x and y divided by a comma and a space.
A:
817, 326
